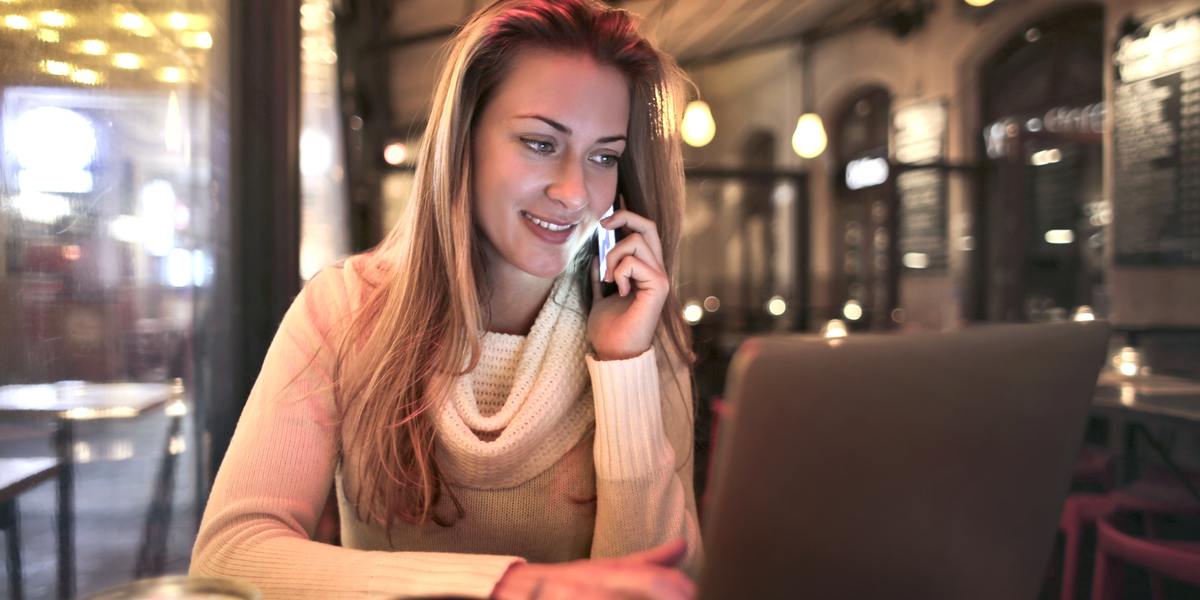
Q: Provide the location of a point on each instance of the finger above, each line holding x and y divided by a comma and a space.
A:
594, 269
679, 585
665, 555
633, 245
637, 224
659, 583
633, 274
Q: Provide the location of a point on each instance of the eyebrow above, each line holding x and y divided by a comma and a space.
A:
567, 130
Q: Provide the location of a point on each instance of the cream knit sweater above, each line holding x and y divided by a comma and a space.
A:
595, 470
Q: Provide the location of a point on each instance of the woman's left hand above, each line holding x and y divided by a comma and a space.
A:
622, 325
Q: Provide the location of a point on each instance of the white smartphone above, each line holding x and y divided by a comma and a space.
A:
606, 239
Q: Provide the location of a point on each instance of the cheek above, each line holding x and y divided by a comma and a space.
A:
603, 194
496, 178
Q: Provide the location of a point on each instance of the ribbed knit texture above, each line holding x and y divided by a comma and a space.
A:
593, 470
548, 408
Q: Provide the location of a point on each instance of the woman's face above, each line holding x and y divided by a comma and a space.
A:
544, 158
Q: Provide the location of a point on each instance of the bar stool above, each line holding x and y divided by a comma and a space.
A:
1079, 512
1156, 494
1173, 559
1094, 465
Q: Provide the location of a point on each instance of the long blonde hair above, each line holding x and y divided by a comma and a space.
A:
425, 321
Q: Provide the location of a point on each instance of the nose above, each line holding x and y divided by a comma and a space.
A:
568, 188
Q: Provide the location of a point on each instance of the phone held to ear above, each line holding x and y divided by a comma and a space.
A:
606, 239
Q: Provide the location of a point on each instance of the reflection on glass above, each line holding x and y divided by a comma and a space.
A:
324, 213
107, 233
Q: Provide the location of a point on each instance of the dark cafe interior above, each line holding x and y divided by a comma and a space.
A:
600, 299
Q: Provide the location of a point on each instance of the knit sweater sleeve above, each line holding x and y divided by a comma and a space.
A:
643, 454
277, 473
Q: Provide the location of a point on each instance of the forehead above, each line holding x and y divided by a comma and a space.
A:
570, 88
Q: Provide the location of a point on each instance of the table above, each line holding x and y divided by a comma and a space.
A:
66, 402
16, 476
1160, 397
1153, 398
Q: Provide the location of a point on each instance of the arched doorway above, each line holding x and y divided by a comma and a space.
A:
1042, 215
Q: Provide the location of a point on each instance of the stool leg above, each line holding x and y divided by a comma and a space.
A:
10, 522
1108, 578
1070, 568
1156, 580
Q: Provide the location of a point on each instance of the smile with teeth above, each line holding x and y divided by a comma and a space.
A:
546, 225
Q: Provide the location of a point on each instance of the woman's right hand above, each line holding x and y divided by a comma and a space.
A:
644, 575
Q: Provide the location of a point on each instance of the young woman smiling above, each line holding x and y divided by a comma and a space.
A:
491, 424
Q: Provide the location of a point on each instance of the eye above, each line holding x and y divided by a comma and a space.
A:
607, 161
539, 146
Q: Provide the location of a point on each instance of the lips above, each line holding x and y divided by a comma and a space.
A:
549, 230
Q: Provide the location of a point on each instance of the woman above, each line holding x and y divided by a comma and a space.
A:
483, 412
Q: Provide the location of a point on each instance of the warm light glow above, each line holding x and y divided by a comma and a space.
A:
852, 310
1084, 313
131, 21
712, 304
1128, 394
1048, 156
126, 60
699, 128
170, 75
157, 208
834, 328
1059, 236
179, 268
17, 22
86, 77
49, 36
178, 21
915, 260
316, 153
777, 306
126, 228
692, 313
41, 208
54, 18
52, 139
395, 153
56, 67
82, 413
92, 47
177, 445
809, 139
1128, 369
978, 2
866, 172
71, 253
197, 39
1128, 361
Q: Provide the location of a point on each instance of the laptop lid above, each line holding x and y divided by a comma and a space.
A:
898, 466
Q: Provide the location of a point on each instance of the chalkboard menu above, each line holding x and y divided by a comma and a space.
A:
1156, 145
919, 138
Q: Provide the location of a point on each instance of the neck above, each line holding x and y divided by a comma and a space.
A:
514, 297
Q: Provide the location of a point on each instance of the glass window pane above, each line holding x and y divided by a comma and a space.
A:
107, 236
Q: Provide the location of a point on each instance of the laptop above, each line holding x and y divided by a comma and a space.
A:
898, 466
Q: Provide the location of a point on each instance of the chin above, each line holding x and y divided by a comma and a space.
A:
545, 269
